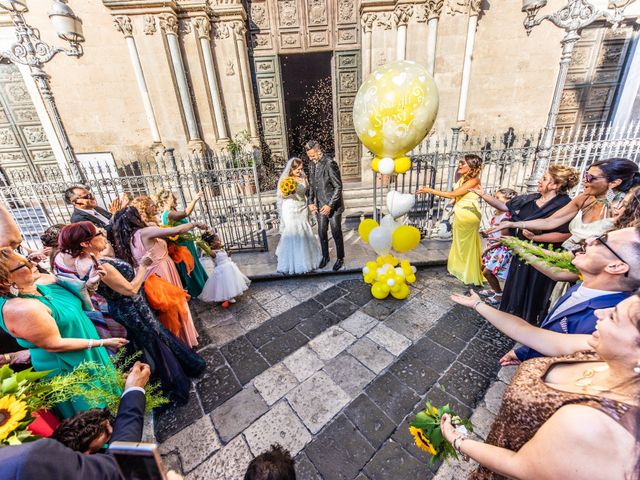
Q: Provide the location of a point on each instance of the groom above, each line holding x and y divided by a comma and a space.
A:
325, 200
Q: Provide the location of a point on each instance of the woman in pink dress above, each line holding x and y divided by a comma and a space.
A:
133, 239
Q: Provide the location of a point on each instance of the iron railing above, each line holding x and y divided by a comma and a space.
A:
508, 161
231, 203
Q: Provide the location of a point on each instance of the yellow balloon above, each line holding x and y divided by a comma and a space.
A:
403, 164
365, 227
380, 261
402, 293
374, 164
404, 264
405, 238
372, 266
377, 292
395, 108
391, 259
411, 278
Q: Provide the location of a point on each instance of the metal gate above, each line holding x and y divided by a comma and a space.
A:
231, 203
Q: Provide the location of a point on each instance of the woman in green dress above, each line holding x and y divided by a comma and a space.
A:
49, 321
192, 281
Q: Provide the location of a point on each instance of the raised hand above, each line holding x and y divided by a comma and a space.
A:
466, 300
500, 226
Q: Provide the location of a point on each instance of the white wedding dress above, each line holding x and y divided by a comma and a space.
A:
299, 249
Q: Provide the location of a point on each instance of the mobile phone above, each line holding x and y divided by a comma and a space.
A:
138, 461
94, 260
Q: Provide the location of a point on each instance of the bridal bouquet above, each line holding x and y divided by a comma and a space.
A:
288, 186
427, 434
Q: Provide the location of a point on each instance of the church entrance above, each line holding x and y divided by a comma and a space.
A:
308, 101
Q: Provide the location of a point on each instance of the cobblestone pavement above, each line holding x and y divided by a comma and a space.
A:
334, 376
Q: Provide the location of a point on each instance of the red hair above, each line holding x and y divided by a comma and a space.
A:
71, 237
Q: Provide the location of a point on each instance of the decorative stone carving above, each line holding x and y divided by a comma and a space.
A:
402, 13
458, 6
266, 87
203, 26
34, 134
421, 13
346, 11
288, 13
290, 39
272, 126
348, 82
17, 93
239, 29
149, 25
184, 27
317, 12
24, 115
229, 71
435, 8
346, 36
258, 14
345, 120
169, 24
221, 30
318, 38
385, 20
123, 25
7, 138
474, 7
367, 21
570, 99
260, 40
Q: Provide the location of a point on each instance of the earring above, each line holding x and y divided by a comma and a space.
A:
610, 195
14, 290
636, 369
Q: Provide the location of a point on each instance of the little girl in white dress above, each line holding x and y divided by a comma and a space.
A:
227, 281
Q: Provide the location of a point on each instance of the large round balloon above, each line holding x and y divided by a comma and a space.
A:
395, 108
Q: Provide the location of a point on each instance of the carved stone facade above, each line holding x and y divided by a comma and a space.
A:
511, 78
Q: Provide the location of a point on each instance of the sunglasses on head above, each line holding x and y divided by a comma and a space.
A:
588, 178
602, 239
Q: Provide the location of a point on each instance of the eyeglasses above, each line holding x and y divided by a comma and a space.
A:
602, 239
87, 196
25, 264
99, 233
588, 178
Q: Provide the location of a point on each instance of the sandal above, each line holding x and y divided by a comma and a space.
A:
486, 293
494, 300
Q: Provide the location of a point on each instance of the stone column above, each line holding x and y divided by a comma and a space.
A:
435, 7
242, 58
367, 27
169, 25
124, 26
401, 16
474, 10
203, 27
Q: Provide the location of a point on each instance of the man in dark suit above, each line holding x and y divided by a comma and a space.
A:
85, 207
325, 200
50, 459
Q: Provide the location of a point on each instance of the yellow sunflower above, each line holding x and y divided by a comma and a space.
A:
421, 441
12, 412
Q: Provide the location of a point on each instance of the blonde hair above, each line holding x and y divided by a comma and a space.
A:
144, 204
564, 176
161, 196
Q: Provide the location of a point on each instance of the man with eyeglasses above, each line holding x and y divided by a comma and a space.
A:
85, 207
610, 268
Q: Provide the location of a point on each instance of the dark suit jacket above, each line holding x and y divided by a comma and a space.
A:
578, 319
80, 216
326, 185
49, 459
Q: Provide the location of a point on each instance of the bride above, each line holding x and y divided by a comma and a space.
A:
299, 249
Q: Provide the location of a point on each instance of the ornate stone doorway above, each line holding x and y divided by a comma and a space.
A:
308, 104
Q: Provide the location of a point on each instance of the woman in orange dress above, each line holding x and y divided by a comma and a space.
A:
132, 240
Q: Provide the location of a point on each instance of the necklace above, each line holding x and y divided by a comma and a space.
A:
586, 380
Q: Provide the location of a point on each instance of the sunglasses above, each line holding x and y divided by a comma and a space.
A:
99, 233
88, 196
588, 178
602, 239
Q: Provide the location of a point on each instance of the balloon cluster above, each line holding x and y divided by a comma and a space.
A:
393, 111
384, 275
388, 275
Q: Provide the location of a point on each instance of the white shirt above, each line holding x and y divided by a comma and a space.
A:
580, 294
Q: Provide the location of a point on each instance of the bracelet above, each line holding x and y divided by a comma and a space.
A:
475, 305
456, 446
90, 344
101, 342
522, 225
7, 358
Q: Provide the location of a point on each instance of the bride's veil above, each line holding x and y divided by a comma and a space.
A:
279, 198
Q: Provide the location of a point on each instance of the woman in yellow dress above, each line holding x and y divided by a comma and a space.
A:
465, 256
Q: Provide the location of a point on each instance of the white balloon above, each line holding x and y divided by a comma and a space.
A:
413, 269
380, 241
380, 271
398, 203
391, 282
399, 272
386, 166
389, 223
365, 270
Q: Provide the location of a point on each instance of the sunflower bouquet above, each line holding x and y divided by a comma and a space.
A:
288, 186
427, 434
